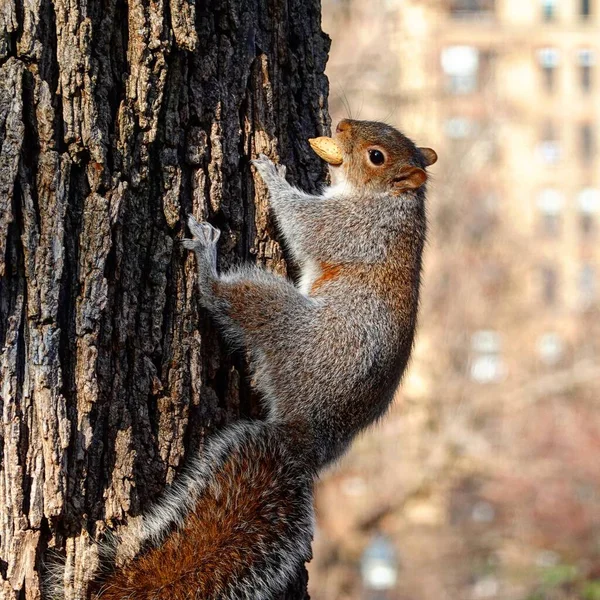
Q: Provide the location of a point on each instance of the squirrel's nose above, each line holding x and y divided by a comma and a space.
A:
343, 125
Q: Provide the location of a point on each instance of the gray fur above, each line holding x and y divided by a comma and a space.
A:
330, 362
327, 354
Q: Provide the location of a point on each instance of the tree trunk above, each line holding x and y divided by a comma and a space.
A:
116, 120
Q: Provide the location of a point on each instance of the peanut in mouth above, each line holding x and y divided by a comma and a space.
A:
327, 149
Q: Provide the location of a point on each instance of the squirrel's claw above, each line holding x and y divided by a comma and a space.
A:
204, 234
267, 168
262, 157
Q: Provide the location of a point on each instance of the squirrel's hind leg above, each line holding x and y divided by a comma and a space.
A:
248, 301
257, 309
266, 309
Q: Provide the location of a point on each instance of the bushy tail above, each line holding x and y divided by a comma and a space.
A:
54, 576
238, 525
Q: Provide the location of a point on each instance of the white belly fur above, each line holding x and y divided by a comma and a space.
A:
309, 274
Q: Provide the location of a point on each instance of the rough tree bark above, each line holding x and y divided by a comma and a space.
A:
116, 120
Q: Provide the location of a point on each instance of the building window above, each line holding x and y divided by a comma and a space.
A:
461, 67
550, 348
549, 147
486, 362
549, 281
548, 59
588, 201
548, 10
587, 286
461, 9
550, 203
587, 224
586, 9
586, 59
586, 143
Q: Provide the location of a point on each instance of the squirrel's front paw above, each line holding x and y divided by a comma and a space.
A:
267, 169
204, 234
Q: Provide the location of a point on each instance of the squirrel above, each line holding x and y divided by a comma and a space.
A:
327, 355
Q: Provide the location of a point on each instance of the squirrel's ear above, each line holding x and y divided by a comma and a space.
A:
410, 178
429, 155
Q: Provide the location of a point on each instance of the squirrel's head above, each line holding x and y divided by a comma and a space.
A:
374, 157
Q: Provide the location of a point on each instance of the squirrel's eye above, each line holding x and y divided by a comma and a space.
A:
376, 157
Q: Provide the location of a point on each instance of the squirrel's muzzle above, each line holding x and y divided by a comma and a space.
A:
327, 149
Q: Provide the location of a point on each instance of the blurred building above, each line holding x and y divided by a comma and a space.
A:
521, 87
477, 475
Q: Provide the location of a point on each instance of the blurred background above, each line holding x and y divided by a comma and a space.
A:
484, 480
